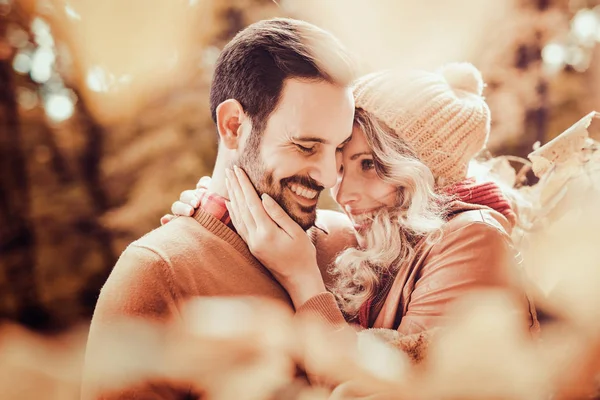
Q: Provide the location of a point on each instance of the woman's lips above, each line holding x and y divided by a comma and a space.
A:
362, 219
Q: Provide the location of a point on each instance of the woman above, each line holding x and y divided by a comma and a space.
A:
426, 234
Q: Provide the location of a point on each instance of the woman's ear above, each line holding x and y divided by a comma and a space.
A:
230, 116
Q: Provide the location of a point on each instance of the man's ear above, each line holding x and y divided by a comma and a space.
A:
230, 117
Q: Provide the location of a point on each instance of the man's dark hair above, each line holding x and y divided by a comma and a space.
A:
253, 66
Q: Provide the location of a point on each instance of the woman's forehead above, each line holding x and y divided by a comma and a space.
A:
358, 141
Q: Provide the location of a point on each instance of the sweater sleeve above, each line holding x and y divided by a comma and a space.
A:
136, 301
474, 256
325, 307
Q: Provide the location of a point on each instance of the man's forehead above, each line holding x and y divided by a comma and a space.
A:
316, 110
300, 97
327, 128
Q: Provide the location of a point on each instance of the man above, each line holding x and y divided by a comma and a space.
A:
282, 105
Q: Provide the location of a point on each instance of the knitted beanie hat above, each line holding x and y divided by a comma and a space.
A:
441, 115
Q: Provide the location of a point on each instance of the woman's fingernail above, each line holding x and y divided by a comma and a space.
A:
268, 200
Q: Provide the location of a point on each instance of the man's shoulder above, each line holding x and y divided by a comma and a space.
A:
334, 222
181, 243
170, 254
172, 231
180, 234
334, 229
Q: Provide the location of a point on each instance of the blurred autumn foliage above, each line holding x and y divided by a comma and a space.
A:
104, 120
75, 192
104, 114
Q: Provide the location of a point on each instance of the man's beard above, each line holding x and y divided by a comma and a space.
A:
263, 182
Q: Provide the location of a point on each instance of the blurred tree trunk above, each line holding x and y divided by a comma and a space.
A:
19, 300
54, 258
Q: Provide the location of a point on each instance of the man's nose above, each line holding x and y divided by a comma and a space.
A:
325, 170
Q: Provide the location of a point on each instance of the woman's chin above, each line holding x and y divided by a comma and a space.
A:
363, 228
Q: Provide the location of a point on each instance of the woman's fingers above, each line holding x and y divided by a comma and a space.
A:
281, 218
237, 222
190, 197
254, 205
238, 201
166, 218
182, 209
203, 182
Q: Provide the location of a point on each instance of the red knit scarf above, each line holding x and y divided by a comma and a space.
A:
486, 194
468, 191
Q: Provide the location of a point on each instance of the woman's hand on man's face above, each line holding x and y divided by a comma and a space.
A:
274, 238
188, 202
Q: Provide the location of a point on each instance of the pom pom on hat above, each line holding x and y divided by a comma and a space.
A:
463, 76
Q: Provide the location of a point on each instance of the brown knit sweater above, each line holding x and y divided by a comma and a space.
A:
187, 257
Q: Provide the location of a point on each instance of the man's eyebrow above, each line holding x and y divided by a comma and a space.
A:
312, 139
355, 156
